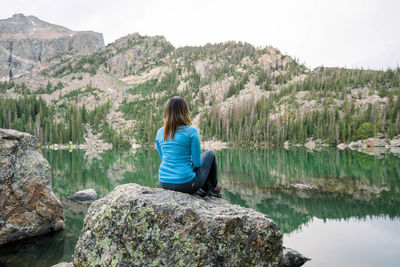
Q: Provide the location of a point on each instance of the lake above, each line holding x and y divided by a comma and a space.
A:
350, 215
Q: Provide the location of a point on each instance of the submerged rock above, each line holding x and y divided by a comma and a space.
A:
28, 207
84, 195
140, 226
292, 258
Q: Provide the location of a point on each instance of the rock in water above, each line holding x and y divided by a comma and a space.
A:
28, 207
63, 264
84, 195
310, 145
303, 187
342, 146
292, 258
140, 226
395, 142
375, 142
357, 145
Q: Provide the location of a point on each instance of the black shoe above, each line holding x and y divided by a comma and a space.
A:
201, 192
216, 192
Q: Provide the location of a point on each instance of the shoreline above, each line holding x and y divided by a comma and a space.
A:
218, 145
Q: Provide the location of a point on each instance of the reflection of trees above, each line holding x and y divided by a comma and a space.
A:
350, 169
71, 172
351, 184
290, 208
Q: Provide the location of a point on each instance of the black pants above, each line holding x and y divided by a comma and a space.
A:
206, 176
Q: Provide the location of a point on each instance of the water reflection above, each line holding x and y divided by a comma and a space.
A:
351, 242
350, 186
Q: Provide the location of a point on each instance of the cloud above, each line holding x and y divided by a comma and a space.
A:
332, 33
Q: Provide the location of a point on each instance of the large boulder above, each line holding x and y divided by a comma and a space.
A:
140, 226
28, 207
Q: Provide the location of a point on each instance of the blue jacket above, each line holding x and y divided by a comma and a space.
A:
179, 156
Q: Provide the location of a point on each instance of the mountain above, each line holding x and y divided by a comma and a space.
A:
26, 42
237, 93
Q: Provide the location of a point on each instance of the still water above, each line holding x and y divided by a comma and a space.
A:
351, 217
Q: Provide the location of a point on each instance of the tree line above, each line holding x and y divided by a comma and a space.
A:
263, 120
31, 114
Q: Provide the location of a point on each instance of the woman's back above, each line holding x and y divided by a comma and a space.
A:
179, 156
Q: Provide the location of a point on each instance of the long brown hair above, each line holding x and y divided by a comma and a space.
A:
176, 114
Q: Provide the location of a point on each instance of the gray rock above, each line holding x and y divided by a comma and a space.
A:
84, 195
374, 142
303, 186
395, 151
28, 207
286, 145
342, 146
395, 142
141, 226
310, 145
292, 258
63, 264
357, 145
134, 52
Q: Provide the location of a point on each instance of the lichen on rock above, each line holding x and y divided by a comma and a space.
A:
140, 226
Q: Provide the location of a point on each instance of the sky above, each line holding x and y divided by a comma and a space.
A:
342, 33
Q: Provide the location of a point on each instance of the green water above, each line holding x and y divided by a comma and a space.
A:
352, 219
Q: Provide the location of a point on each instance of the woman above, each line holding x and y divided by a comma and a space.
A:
178, 144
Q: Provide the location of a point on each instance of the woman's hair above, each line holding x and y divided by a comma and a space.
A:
176, 114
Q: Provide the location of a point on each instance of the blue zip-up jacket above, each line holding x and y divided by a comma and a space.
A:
179, 156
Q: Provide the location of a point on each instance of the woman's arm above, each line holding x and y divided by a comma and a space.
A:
195, 149
159, 149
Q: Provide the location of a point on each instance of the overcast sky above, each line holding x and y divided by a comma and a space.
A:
346, 33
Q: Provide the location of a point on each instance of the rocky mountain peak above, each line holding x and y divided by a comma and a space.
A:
20, 26
27, 42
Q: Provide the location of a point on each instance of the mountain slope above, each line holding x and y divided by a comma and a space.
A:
237, 93
26, 42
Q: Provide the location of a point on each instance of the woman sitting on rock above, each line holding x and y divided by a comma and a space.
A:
178, 144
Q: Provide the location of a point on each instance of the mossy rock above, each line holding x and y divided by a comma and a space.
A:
140, 226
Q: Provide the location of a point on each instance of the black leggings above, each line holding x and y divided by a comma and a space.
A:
206, 176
